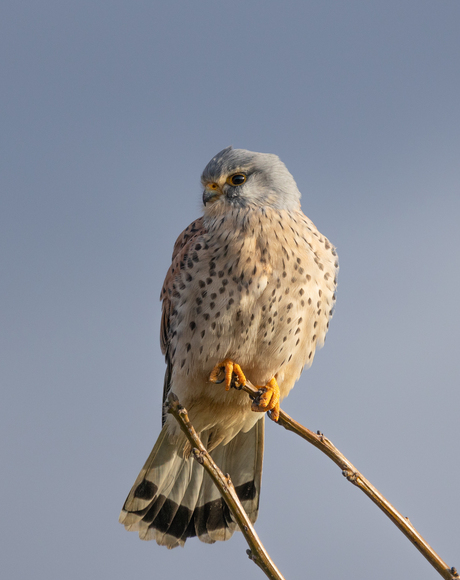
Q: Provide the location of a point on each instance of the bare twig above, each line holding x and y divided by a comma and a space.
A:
257, 552
355, 477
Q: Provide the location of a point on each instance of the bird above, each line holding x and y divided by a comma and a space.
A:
249, 293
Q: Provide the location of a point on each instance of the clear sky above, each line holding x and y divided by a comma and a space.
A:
109, 113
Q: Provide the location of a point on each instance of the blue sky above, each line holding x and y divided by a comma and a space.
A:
110, 111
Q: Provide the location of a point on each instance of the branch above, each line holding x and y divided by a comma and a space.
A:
355, 477
257, 552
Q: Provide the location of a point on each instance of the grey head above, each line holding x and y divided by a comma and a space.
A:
240, 178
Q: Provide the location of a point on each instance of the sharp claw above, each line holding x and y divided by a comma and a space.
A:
274, 414
232, 374
268, 399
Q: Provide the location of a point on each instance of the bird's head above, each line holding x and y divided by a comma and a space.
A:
239, 178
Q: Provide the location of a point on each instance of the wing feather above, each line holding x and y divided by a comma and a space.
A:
180, 253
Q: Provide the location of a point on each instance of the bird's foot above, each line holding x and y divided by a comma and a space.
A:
233, 374
268, 399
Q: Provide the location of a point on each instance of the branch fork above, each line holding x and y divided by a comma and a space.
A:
257, 552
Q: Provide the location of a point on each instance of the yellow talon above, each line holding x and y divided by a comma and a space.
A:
268, 399
230, 369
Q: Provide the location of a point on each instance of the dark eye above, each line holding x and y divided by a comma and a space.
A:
236, 179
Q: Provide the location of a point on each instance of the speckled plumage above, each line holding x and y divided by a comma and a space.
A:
252, 281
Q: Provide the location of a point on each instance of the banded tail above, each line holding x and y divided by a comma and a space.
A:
174, 498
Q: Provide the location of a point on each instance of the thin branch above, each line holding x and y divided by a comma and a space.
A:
355, 477
257, 552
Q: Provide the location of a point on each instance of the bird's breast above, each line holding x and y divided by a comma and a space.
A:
261, 295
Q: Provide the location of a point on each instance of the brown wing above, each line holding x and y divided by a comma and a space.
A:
179, 257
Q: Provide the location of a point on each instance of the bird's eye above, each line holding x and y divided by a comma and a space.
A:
236, 179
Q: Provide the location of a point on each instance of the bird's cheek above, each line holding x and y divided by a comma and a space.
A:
232, 194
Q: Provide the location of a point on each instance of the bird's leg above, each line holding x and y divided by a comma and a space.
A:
268, 399
231, 368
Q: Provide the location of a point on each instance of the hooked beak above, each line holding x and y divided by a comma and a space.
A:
211, 192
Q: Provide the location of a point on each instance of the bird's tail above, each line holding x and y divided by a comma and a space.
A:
173, 498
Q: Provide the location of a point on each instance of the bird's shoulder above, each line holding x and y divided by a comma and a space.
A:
182, 248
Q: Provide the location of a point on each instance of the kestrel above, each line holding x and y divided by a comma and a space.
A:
250, 292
